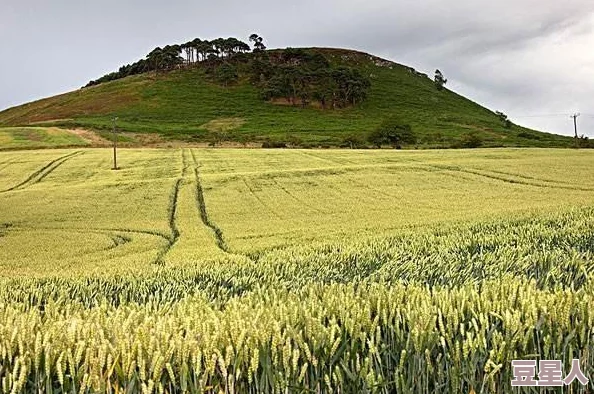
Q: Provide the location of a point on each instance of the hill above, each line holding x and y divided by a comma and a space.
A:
193, 104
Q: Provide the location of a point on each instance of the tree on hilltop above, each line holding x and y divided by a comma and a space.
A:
258, 42
439, 80
503, 117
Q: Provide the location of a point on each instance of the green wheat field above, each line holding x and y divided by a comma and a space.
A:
292, 271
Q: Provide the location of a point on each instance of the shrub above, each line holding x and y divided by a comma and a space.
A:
471, 140
394, 132
273, 144
504, 119
294, 141
226, 74
352, 141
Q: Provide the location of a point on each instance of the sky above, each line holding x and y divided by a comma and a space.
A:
531, 59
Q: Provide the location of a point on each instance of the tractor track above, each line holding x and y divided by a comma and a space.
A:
117, 241
264, 205
43, 172
98, 230
172, 212
218, 233
300, 201
185, 164
112, 233
523, 182
343, 165
6, 163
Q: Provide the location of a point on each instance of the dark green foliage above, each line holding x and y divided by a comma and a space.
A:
394, 132
302, 76
226, 73
258, 42
352, 141
439, 80
217, 137
351, 85
169, 57
471, 140
297, 75
529, 136
139, 67
504, 119
584, 142
294, 141
241, 138
260, 70
273, 144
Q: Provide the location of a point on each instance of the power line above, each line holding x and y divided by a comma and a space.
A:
551, 115
540, 116
573, 116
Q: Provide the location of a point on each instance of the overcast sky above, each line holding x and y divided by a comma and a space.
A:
532, 59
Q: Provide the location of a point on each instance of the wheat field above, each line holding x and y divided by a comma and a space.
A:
231, 271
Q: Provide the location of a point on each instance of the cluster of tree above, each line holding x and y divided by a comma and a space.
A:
301, 77
194, 51
439, 80
297, 75
504, 119
226, 73
392, 131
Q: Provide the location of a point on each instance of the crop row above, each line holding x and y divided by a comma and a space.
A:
427, 311
323, 338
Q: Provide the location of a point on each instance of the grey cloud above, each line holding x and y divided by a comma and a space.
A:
521, 56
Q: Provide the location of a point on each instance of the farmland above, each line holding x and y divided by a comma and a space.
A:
222, 270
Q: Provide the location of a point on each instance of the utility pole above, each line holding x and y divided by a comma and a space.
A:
577, 141
115, 145
575, 116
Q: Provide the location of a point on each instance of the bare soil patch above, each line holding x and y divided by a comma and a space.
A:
90, 136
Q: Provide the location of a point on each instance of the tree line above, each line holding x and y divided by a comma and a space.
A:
298, 76
175, 56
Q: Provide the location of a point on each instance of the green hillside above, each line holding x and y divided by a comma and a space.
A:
190, 104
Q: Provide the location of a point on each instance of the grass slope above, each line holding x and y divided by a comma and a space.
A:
184, 104
37, 137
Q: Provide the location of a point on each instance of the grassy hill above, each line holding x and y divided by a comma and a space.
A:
188, 104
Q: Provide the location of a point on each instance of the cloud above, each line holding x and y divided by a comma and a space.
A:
524, 57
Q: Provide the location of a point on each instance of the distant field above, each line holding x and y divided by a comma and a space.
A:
37, 137
207, 270
260, 199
